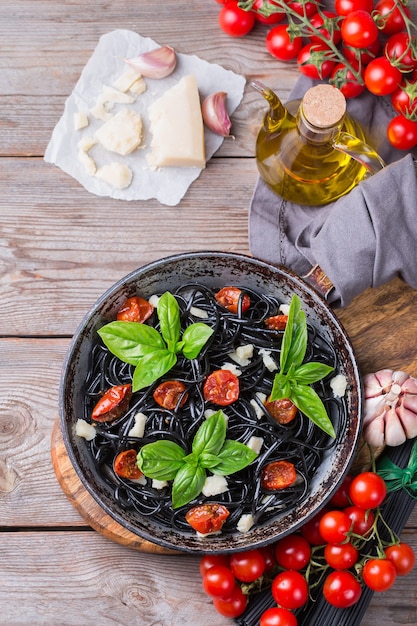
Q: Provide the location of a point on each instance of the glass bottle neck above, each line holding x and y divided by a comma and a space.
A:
316, 134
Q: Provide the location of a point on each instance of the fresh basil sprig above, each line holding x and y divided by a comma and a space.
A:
295, 377
210, 450
154, 353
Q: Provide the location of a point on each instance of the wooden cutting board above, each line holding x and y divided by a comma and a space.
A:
88, 508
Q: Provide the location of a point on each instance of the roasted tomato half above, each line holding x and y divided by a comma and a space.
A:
170, 394
125, 465
135, 309
283, 411
276, 322
112, 404
207, 518
278, 475
231, 298
221, 387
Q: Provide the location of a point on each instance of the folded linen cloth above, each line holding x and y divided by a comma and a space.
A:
362, 240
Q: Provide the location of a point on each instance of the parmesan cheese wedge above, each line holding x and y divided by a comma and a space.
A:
177, 127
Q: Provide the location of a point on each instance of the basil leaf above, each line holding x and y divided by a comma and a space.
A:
192, 459
307, 401
195, 338
151, 367
298, 347
281, 387
161, 460
208, 460
210, 437
169, 319
233, 457
187, 485
309, 373
130, 341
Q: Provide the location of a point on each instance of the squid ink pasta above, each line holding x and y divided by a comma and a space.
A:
300, 442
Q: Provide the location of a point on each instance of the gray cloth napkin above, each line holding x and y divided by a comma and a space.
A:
362, 240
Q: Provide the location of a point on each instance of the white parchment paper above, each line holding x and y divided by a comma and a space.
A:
106, 65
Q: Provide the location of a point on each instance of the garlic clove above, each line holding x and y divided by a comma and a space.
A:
410, 386
409, 421
157, 63
394, 431
374, 433
215, 114
374, 407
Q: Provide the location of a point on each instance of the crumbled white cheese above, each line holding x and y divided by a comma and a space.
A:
110, 94
86, 143
117, 175
138, 429
231, 367
84, 429
242, 355
284, 309
122, 133
198, 312
126, 80
154, 299
138, 87
245, 523
139, 481
159, 484
338, 384
268, 360
88, 162
214, 485
258, 410
80, 120
100, 112
255, 444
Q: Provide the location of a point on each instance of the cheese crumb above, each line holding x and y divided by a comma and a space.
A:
198, 312
159, 484
214, 485
88, 162
100, 112
268, 360
127, 79
258, 410
245, 523
138, 87
110, 94
122, 133
80, 120
242, 355
84, 429
231, 367
255, 444
117, 175
338, 385
138, 429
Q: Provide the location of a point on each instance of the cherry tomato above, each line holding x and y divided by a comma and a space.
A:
125, 465
341, 555
381, 78
278, 475
341, 498
344, 7
221, 387
218, 581
112, 404
276, 322
362, 520
170, 394
268, 553
402, 557
283, 410
389, 18
247, 566
334, 526
232, 298
400, 52
290, 589
234, 605
311, 530
367, 490
342, 589
279, 44
404, 99
379, 574
208, 560
292, 552
274, 18
362, 56
207, 518
308, 9
344, 79
359, 30
135, 309
234, 21
313, 62
402, 133
276, 616
326, 23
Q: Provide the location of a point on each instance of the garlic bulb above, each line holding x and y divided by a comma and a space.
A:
215, 114
390, 408
156, 63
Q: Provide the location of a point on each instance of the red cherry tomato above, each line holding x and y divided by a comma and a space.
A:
208, 560
402, 133
362, 520
283, 410
232, 299
327, 23
389, 18
341, 555
125, 465
279, 44
135, 309
359, 30
278, 475
379, 574
404, 99
344, 7
381, 78
308, 9
170, 394
312, 61
363, 56
234, 21
112, 404
344, 79
402, 557
218, 581
341, 498
268, 553
290, 589
276, 616
399, 51
292, 552
334, 526
341, 589
221, 387
207, 518
311, 530
234, 605
276, 322
367, 490
274, 18
247, 566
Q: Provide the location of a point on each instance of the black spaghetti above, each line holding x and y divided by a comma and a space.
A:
300, 442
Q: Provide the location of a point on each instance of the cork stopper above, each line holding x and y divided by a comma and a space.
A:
324, 106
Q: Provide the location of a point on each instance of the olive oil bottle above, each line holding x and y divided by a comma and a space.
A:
310, 151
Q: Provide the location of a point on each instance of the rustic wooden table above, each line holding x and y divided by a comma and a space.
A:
61, 247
